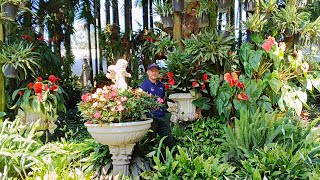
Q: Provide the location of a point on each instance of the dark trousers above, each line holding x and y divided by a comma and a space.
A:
161, 126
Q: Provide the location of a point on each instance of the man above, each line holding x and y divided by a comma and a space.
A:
153, 86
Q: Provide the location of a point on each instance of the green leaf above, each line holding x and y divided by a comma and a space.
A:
2, 114
256, 175
214, 84
316, 83
275, 85
202, 102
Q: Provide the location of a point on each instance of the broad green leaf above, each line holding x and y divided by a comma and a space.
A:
275, 84
214, 84
202, 103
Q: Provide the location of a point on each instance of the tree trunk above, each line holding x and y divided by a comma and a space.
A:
213, 15
115, 13
95, 35
177, 28
127, 19
151, 14
99, 39
107, 6
145, 14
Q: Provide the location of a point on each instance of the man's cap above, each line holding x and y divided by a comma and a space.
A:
153, 65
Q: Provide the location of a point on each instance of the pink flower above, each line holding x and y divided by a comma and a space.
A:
232, 78
124, 99
282, 46
88, 122
160, 100
39, 78
268, 43
113, 109
120, 108
20, 93
97, 115
86, 97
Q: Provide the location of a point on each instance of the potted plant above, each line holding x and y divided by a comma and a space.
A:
18, 57
184, 81
164, 9
10, 8
117, 118
41, 99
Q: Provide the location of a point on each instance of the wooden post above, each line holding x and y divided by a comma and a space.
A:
2, 92
177, 28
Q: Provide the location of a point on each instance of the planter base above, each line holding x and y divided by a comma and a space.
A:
121, 156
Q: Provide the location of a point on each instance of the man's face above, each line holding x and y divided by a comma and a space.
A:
153, 74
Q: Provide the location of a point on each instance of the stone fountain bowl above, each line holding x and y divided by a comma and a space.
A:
115, 134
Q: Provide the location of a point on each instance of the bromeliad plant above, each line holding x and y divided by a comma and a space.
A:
41, 96
109, 104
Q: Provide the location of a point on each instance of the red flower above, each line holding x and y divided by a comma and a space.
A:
170, 75
39, 78
194, 84
54, 88
53, 79
150, 40
242, 96
20, 93
230, 52
33, 49
24, 36
40, 96
240, 85
232, 78
30, 85
166, 86
171, 82
40, 38
37, 87
268, 43
88, 122
45, 87
205, 77
203, 87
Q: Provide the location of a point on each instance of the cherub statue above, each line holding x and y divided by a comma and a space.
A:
118, 73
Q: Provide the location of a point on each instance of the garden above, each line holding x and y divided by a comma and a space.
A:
242, 82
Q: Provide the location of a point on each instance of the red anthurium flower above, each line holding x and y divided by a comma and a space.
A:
54, 88
166, 86
40, 38
194, 84
242, 96
171, 82
266, 46
21, 93
46, 88
39, 78
24, 36
170, 75
37, 87
230, 52
205, 77
232, 78
53, 79
150, 40
240, 85
203, 87
271, 40
30, 85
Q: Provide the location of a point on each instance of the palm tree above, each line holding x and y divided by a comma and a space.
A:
95, 34
145, 14
107, 9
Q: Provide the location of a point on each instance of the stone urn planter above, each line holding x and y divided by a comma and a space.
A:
10, 10
29, 118
10, 72
184, 109
121, 138
167, 21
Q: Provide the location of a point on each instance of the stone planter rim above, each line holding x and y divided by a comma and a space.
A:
119, 124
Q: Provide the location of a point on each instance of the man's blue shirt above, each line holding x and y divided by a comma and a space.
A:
155, 89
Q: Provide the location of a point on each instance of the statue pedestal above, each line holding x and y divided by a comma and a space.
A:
185, 110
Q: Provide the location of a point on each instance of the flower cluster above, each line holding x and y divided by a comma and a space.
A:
109, 104
232, 79
43, 96
173, 82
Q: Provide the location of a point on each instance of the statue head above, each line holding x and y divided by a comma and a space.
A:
122, 64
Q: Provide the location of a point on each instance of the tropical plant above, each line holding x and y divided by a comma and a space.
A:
255, 22
109, 104
21, 57
163, 7
42, 96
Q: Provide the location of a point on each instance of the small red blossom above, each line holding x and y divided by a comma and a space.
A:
86, 97
24, 36
268, 43
194, 84
30, 85
37, 87
242, 96
97, 115
240, 85
170, 75
33, 49
40, 38
40, 96
205, 77
203, 87
166, 86
21, 93
39, 79
54, 88
88, 122
230, 52
171, 82
150, 40
232, 78
46, 88
53, 79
